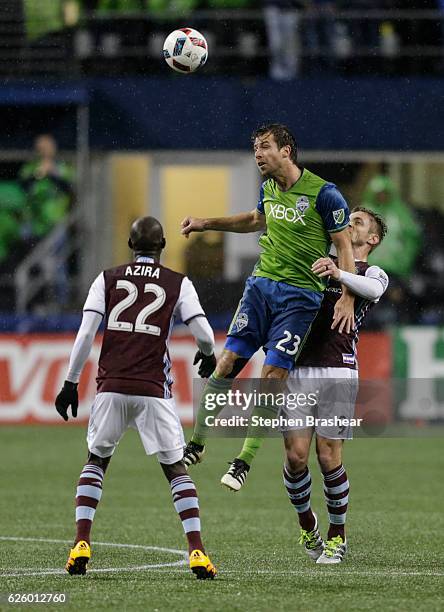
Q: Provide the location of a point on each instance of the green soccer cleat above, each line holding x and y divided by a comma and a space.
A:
312, 541
334, 552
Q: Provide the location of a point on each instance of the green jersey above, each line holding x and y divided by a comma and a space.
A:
48, 198
299, 223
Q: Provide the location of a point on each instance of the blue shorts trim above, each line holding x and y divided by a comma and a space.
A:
279, 360
240, 346
272, 357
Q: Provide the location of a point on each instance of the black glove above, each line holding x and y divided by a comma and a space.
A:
67, 397
207, 364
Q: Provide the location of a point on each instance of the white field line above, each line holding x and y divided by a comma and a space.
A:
16, 572
315, 571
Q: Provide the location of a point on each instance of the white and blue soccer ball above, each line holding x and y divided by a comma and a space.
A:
185, 50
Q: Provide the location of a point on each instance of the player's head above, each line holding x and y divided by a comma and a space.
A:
367, 228
45, 146
274, 147
146, 237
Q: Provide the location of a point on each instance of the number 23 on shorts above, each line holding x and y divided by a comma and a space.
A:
292, 339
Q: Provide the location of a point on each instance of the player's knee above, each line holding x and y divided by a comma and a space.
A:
329, 455
173, 470
296, 460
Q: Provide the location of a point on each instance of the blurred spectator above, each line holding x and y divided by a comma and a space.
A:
397, 254
282, 24
399, 250
389, 45
12, 205
48, 184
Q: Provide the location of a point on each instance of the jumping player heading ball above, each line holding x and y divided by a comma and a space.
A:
300, 214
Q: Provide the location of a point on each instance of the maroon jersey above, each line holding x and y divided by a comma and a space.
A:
326, 347
139, 301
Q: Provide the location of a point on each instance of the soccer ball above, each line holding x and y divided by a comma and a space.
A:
185, 50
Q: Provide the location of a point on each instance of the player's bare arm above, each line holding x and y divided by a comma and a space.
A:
242, 223
344, 318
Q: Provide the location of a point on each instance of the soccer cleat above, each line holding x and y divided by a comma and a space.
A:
192, 454
334, 552
78, 558
312, 541
236, 475
201, 565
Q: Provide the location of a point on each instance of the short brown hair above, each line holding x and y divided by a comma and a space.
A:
379, 226
282, 136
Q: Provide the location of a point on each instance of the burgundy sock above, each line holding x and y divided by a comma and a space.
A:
336, 490
187, 506
298, 487
89, 492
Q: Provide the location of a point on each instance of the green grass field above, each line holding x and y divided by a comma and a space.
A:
395, 529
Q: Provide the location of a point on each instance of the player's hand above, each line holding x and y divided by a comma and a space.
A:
207, 364
192, 224
67, 397
324, 266
344, 314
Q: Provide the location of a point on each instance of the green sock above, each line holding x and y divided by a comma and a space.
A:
255, 434
214, 385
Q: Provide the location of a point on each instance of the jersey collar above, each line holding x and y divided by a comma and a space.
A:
144, 259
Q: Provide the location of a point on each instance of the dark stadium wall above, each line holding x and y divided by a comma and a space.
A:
220, 113
402, 114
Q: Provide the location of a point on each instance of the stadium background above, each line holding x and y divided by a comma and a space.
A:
365, 100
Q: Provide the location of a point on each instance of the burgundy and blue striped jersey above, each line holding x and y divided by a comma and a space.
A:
326, 347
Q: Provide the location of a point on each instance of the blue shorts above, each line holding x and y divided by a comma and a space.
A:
275, 316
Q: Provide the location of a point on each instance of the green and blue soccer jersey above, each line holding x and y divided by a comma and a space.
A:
299, 223
282, 297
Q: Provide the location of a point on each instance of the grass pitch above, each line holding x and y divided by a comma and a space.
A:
395, 529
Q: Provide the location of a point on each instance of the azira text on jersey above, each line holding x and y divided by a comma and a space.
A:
142, 271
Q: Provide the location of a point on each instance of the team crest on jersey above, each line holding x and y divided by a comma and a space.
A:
241, 321
348, 358
302, 204
339, 216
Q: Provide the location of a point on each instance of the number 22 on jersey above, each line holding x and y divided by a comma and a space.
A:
140, 326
